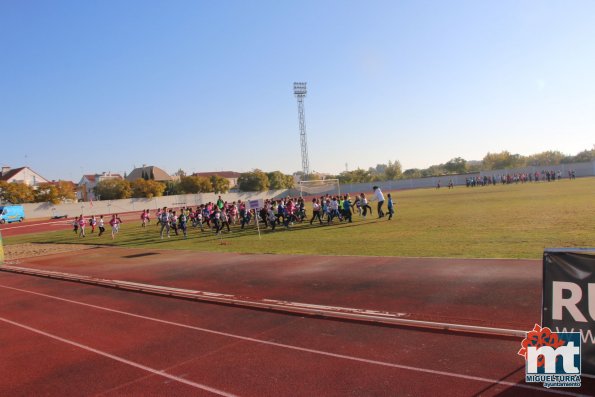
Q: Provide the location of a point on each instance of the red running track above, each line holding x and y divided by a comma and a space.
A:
502, 293
50, 225
64, 338
70, 339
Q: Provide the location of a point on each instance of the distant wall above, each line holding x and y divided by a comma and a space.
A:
581, 169
401, 184
47, 210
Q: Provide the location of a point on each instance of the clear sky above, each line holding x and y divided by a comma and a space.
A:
92, 86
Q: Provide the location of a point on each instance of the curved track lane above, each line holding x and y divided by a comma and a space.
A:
66, 338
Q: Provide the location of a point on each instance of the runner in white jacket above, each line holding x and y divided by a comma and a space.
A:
380, 199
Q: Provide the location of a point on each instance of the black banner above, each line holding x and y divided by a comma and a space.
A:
569, 297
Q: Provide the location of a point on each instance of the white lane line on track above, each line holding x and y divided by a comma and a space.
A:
120, 359
307, 350
38, 224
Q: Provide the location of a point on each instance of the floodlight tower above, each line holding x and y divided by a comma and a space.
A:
299, 90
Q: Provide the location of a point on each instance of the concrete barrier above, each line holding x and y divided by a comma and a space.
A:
48, 210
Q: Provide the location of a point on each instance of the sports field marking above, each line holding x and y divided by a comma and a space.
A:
120, 359
55, 223
307, 350
334, 312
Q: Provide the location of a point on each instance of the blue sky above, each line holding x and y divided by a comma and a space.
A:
92, 86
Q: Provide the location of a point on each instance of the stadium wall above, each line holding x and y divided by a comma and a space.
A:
402, 184
581, 170
48, 210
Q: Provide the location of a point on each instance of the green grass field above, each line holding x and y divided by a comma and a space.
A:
513, 221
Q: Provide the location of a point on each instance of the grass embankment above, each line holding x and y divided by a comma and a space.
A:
512, 221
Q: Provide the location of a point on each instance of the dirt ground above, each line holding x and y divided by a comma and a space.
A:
27, 250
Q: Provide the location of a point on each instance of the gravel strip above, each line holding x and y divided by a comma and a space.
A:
28, 250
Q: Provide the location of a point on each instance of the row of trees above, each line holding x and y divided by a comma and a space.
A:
19, 193
113, 189
458, 165
144, 187
495, 161
257, 180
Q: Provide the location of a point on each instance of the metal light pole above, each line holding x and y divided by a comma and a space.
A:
299, 90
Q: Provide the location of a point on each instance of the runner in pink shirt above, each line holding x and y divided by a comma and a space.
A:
115, 224
81, 222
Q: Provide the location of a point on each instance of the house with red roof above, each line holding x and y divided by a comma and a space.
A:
21, 175
85, 188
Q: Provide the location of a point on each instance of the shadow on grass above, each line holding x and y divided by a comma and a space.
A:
139, 237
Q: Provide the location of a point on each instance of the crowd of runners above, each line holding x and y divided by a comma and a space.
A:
79, 224
221, 215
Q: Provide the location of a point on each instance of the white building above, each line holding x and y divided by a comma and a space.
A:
21, 175
85, 188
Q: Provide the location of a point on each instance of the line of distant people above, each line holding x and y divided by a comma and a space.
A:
543, 176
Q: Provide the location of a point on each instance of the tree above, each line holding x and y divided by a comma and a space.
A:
143, 188
113, 189
278, 180
195, 184
313, 176
355, 176
473, 166
54, 192
392, 171
584, 156
66, 191
502, 160
289, 181
546, 158
458, 165
434, 170
219, 184
254, 181
412, 173
46, 192
16, 193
